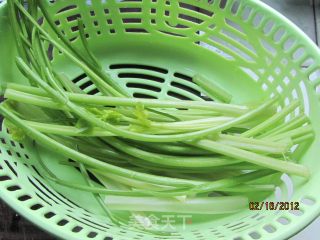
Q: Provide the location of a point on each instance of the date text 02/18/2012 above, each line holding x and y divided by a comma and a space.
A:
274, 206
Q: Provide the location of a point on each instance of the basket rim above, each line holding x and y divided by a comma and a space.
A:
285, 234
13, 203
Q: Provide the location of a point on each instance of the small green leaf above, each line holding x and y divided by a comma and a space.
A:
142, 115
107, 115
17, 133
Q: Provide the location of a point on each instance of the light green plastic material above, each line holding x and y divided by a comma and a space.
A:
154, 47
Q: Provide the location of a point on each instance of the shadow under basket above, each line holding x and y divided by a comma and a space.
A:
154, 47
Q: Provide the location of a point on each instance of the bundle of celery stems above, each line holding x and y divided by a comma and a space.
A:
196, 157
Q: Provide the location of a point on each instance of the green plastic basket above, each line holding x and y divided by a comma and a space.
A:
154, 47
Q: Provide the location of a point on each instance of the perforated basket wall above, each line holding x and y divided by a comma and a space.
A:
154, 47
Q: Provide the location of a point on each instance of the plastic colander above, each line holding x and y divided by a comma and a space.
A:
154, 47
